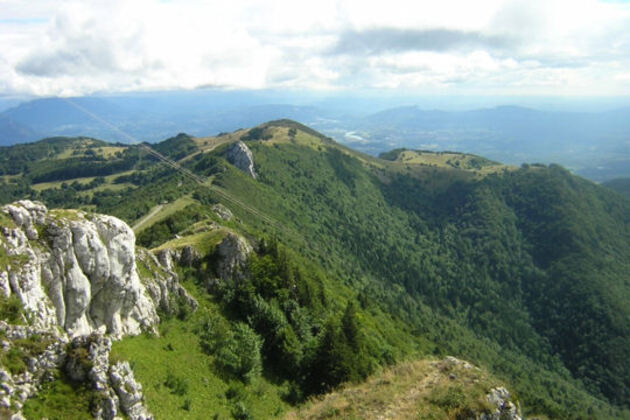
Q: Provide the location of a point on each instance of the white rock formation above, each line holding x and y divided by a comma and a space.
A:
240, 156
129, 391
76, 276
115, 382
164, 285
81, 275
222, 211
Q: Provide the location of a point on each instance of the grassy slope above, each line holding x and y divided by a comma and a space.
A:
278, 199
60, 399
298, 212
431, 389
177, 351
164, 211
203, 242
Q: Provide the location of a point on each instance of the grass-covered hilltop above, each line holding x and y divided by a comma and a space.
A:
329, 283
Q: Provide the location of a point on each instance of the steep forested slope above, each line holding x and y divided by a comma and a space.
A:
621, 185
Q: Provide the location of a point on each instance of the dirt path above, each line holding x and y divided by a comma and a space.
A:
405, 405
152, 213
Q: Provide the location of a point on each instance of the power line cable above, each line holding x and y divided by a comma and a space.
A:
184, 171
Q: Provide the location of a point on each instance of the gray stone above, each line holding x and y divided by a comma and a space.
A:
116, 384
505, 409
129, 391
222, 211
165, 284
82, 277
233, 253
240, 156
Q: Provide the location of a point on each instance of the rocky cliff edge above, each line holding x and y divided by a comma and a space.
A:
77, 271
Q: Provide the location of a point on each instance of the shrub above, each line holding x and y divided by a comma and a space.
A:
240, 412
13, 360
240, 353
11, 309
177, 384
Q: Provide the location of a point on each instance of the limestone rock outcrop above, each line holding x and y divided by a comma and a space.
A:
222, 211
74, 270
505, 409
163, 285
240, 156
76, 276
88, 360
44, 350
233, 253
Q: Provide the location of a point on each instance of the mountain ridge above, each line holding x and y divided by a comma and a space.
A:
590, 143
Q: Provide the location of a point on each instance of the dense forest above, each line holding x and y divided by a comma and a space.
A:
621, 185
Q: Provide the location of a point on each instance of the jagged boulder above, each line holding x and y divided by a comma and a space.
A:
233, 253
240, 156
163, 286
185, 256
223, 212
88, 360
129, 391
75, 270
505, 409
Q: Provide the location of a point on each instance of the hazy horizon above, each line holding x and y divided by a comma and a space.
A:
380, 100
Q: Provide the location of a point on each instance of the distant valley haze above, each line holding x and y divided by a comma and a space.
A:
589, 136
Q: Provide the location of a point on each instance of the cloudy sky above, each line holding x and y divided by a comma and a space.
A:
496, 47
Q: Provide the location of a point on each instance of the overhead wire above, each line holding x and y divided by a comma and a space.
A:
182, 170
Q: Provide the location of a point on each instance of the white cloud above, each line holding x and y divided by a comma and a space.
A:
513, 47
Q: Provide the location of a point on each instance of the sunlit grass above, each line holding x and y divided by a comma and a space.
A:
165, 210
205, 392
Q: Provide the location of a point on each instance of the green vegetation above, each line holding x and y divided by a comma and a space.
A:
11, 309
61, 399
180, 380
621, 185
203, 242
176, 147
6, 220
15, 358
454, 160
236, 350
163, 230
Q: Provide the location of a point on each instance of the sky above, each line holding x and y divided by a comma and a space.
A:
482, 47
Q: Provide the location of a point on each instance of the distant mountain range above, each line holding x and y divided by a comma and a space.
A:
592, 144
142, 119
